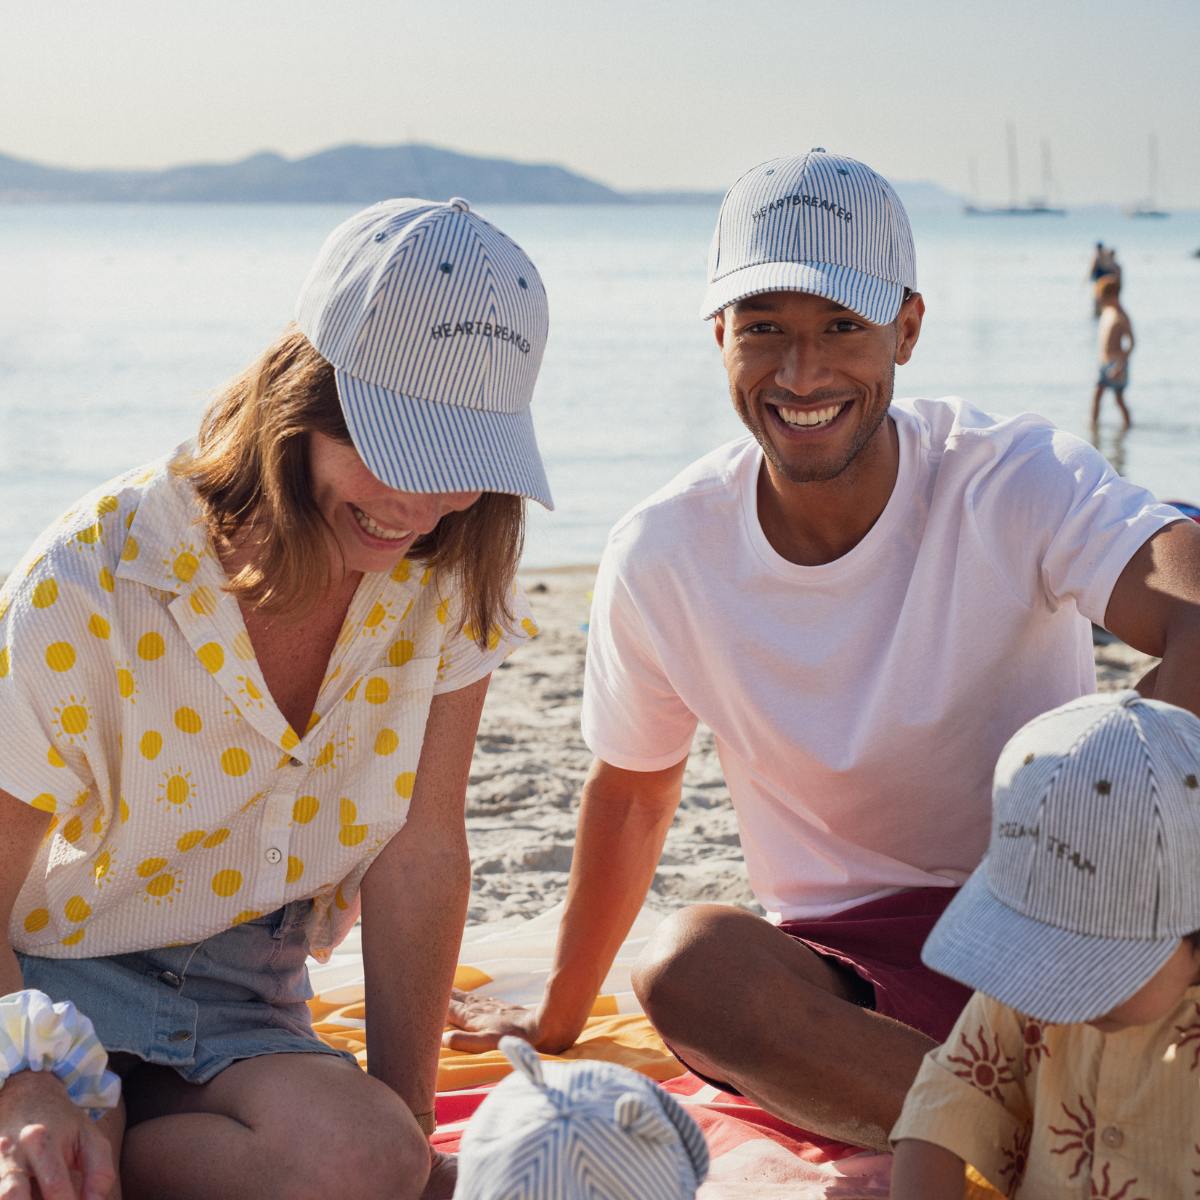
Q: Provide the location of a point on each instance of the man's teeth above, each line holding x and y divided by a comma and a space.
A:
808, 417
379, 531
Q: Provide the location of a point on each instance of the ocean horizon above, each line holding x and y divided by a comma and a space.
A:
120, 321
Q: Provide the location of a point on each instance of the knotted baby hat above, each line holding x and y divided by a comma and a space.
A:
578, 1131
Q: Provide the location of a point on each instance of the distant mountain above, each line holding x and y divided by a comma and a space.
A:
667, 196
342, 174
360, 175
923, 196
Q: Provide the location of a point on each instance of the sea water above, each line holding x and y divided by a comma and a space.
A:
119, 322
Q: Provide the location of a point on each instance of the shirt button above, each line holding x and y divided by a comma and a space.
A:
1112, 1137
170, 979
294, 762
180, 1035
274, 855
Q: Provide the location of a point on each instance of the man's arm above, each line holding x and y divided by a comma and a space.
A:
623, 821
1155, 608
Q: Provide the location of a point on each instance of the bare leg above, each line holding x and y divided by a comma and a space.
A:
1096, 405
285, 1126
743, 1002
1119, 397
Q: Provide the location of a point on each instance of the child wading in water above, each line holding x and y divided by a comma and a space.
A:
1074, 1071
1115, 344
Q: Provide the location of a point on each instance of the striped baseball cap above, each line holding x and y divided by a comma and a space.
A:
578, 1131
1090, 878
435, 323
819, 223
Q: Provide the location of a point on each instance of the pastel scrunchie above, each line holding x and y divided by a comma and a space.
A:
38, 1035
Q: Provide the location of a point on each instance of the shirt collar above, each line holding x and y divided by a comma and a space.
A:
167, 541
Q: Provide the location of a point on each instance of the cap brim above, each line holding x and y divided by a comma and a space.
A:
417, 445
1049, 974
874, 299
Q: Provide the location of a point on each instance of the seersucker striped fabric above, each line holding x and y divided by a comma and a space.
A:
1090, 879
435, 322
578, 1131
180, 802
819, 223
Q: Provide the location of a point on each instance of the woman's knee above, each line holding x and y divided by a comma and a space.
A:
385, 1159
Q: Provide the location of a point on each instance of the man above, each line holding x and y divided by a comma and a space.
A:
1115, 339
863, 600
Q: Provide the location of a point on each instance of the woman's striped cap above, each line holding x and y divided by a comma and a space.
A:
1090, 879
819, 223
435, 323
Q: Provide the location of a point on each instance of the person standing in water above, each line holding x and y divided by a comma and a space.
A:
1116, 344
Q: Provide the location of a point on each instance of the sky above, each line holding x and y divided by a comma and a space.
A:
639, 95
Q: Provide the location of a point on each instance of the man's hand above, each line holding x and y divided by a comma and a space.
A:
481, 1021
48, 1141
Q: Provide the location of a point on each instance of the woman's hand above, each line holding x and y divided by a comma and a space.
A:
47, 1140
481, 1021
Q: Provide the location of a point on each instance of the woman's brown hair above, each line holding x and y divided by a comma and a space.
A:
250, 470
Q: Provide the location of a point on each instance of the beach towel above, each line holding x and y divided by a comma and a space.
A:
753, 1153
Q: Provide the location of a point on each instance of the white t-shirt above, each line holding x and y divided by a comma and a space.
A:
859, 706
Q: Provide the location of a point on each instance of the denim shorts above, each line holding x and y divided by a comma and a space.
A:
197, 1008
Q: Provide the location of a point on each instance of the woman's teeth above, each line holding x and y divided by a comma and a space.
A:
376, 530
809, 417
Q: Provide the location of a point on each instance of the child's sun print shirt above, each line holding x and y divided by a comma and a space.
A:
1057, 1111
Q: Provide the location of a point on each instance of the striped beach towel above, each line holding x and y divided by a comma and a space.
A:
753, 1153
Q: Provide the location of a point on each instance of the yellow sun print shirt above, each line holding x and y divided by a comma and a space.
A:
1051, 1112
135, 714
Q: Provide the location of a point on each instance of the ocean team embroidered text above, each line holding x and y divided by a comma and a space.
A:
502, 333
797, 198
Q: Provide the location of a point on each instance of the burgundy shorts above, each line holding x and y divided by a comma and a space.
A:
879, 945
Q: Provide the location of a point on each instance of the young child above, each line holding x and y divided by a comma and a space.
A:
578, 1131
1115, 336
1074, 1071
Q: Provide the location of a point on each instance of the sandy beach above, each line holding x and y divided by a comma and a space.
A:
530, 763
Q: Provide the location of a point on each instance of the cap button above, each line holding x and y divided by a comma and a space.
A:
460, 204
818, 150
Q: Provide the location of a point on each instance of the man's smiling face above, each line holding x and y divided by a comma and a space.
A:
810, 379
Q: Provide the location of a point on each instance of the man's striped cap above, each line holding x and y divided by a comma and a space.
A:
435, 323
819, 223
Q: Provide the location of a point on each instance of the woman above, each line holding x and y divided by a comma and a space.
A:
240, 690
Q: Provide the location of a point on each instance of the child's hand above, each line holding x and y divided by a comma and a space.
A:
443, 1175
923, 1171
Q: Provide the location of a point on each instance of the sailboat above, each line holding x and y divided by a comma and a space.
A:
1147, 207
1037, 206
